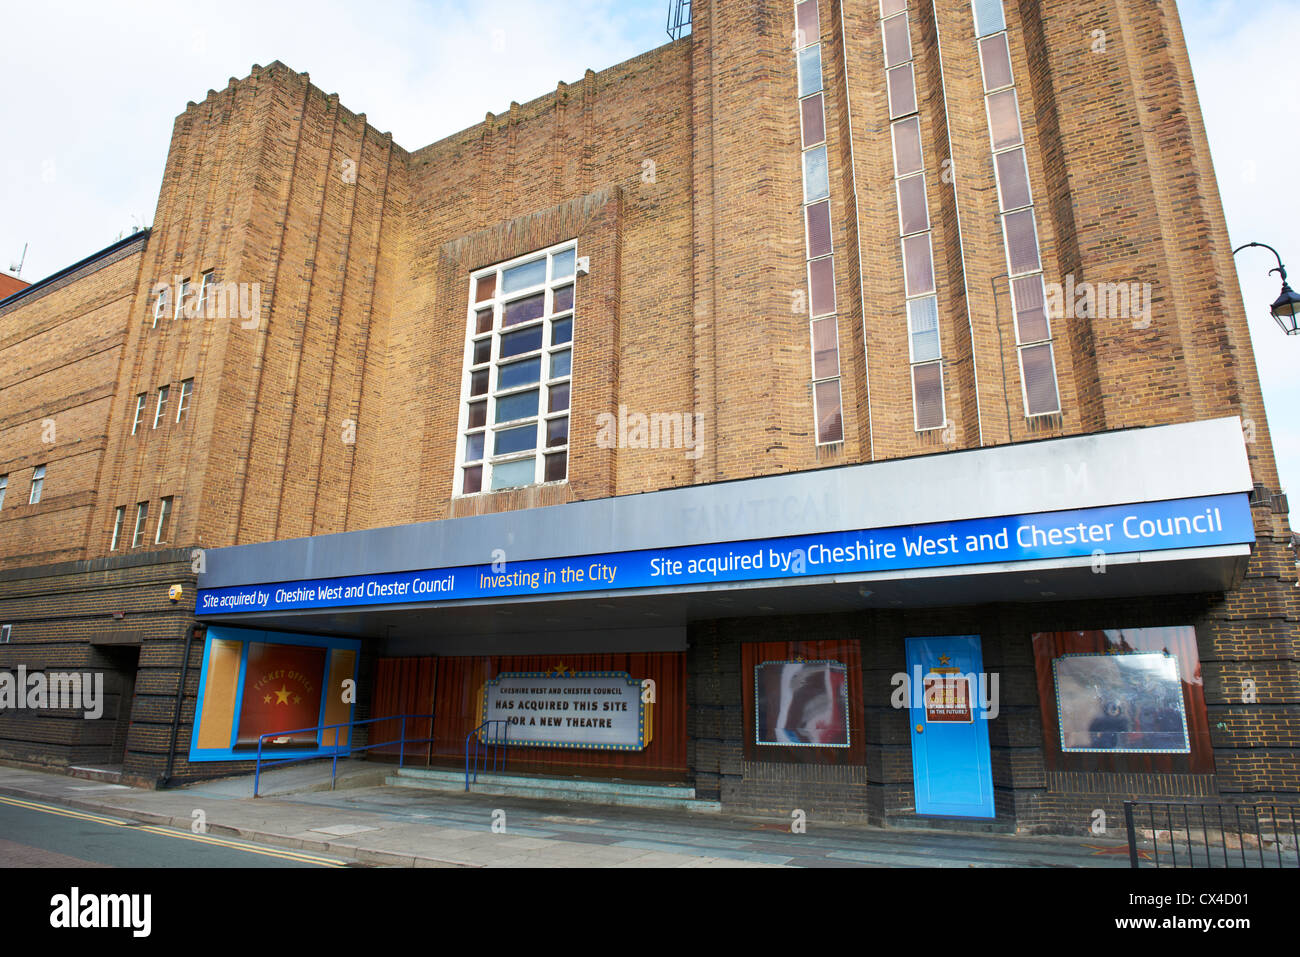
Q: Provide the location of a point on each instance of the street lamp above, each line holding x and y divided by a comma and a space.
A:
1286, 309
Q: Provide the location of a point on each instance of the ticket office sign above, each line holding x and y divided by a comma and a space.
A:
592, 710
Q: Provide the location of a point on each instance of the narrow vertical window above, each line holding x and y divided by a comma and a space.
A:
164, 521
139, 412
38, 483
4, 485
183, 400
119, 514
163, 392
141, 514
205, 294
182, 294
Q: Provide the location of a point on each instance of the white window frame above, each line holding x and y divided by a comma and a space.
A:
497, 302
884, 50
164, 516
183, 400
943, 395
6, 634
894, 125
139, 412
1029, 185
38, 484
164, 391
1024, 387
979, 52
119, 516
181, 295
988, 118
141, 516
206, 281
4, 486
159, 306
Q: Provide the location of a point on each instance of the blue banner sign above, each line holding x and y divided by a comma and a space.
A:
1111, 530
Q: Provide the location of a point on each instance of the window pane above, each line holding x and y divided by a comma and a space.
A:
478, 382
474, 447
805, 15
814, 120
557, 432
523, 310
563, 301
473, 480
561, 332
912, 213
830, 425
923, 320
821, 286
559, 398
1004, 119
514, 440
988, 17
519, 373
1031, 311
483, 321
486, 288
919, 268
1013, 179
517, 343
826, 349
996, 59
816, 182
561, 364
898, 42
907, 146
477, 415
482, 351
1040, 380
556, 466
522, 277
1022, 242
819, 230
519, 406
514, 474
927, 394
810, 70
562, 264
902, 91
890, 7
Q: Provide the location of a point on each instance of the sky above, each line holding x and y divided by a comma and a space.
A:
91, 91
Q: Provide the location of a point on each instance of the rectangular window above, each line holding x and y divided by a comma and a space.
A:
38, 483
205, 294
1022, 242
4, 485
139, 412
181, 296
913, 215
907, 146
6, 632
927, 396
164, 521
902, 91
825, 348
898, 41
918, 266
518, 373
1004, 119
995, 60
890, 7
813, 116
988, 17
1013, 179
819, 230
183, 400
119, 514
141, 514
160, 304
1031, 310
816, 179
923, 323
810, 70
163, 392
1038, 374
805, 15
830, 425
821, 286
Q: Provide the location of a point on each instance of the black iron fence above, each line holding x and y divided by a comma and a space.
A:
1165, 834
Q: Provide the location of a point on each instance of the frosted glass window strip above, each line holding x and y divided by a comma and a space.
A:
927, 396
818, 221
898, 40
1038, 374
995, 62
913, 214
918, 265
902, 91
563, 263
1022, 242
806, 23
1029, 302
816, 178
890, 7
812, 112
514, 474
1004, 120
829, 412
821, 286
524, 276
923, 325
1013, 179
825, 348
989, 17
907, 146
810, 70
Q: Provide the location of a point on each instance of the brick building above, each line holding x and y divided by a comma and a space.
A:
856, 397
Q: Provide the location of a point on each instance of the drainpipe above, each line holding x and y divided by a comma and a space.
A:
191, 632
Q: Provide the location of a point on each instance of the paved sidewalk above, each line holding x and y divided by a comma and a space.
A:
406, 827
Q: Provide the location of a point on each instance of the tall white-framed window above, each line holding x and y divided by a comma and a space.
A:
206, 282
38, 483
4, 485
141, 516
164, 521
161, 409
139, 412
182, 294
119, 516
160, 305
515, 390
183, 400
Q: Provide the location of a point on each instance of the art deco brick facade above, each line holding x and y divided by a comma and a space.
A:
334, 408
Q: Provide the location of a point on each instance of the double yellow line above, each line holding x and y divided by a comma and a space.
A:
283, 854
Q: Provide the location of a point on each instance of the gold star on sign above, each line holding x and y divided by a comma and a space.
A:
560, 669
266, 700
297, 699
282, 696
944, 659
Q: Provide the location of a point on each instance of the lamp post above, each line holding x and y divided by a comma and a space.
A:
1286, 309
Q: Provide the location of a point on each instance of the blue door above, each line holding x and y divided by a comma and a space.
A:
950, 737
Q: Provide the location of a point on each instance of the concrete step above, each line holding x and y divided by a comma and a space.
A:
616, 793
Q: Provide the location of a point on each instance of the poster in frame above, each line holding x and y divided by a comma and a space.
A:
801, 703
1121, 704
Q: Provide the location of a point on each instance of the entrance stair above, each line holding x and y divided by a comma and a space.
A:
583, 790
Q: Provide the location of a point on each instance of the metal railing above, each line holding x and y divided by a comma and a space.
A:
496, 747
1165, 834
341, 750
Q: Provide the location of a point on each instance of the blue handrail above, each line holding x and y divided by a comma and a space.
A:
496, 746
337, 750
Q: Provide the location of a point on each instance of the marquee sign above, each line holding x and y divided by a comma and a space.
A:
595, 710
1078, 533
